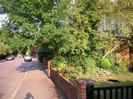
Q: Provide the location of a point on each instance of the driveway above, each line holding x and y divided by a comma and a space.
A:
25, 80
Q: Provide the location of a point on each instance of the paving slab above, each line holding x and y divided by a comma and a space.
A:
26, 80
36, 84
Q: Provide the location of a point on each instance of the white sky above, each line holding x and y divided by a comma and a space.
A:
3, 18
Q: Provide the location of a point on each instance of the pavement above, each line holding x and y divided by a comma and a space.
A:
26, 80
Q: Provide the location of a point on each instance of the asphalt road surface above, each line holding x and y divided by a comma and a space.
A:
25, 80
9, 77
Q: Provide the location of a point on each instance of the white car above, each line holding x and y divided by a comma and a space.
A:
11, 57
27, 58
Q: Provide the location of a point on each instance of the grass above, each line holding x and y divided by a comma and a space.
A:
123, 78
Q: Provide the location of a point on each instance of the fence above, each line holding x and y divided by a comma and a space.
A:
114, 92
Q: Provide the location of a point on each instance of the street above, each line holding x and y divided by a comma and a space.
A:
25, 80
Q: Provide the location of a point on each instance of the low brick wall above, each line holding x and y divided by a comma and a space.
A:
70, 91
67, 88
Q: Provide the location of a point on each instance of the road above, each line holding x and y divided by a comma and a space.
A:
25, 80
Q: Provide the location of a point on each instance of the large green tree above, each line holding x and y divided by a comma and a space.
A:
65, 32
25, 20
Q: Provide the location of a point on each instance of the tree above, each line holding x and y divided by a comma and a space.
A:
120, 12
63, 31
25, 18
4, 49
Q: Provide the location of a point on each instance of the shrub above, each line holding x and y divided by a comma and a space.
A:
4, 49
72, 72
112, 58
75, 66
58, 62
76, 61
106, 64
120, 66
90, 66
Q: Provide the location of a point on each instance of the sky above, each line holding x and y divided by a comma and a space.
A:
3, 18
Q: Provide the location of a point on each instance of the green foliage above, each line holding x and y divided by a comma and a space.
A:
75, 66
106, 64
24, 16
72, 73
121, 12
65, 33
15, 41
58, 62
4, 49
77, 41
120, 66
117, 65
63, 40
83, 66
90, 66
104, 41
76, 61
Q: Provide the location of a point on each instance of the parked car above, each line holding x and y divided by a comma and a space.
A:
20, 55
11, 57
27, 58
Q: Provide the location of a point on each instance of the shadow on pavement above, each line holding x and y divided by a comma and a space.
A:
28, 66
2, 61
29, 96
1, 95
36, 65
45, 71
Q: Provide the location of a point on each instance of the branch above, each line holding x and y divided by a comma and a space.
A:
113, 49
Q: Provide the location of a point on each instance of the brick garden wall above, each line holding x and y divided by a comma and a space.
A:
70, 91
67, 88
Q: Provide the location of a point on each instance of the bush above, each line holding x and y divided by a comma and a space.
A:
72, 72
43, 52
75, 66
58, 62
90, 66
77, 61
4, 49
120, 66
106, 64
